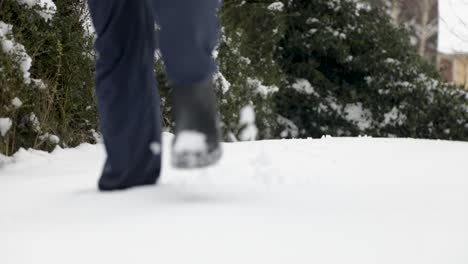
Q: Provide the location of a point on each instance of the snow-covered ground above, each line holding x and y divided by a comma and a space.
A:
333, 200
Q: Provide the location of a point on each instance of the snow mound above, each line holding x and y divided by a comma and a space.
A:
331, 200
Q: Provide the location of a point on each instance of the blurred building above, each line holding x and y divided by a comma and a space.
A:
421, 17
454, 68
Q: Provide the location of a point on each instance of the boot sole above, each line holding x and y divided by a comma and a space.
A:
191, 160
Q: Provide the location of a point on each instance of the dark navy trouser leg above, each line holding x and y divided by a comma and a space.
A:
128, 103
188, 34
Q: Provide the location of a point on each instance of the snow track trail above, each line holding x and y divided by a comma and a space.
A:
331, 200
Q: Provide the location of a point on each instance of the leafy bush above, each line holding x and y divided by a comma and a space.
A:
47, 84
307, 68
250, 75
352, 72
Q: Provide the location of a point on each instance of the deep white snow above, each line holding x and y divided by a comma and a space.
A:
332, 200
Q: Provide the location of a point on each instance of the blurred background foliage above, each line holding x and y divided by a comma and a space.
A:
308, 69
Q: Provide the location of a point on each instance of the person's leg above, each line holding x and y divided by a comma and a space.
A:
188, 34
128, 103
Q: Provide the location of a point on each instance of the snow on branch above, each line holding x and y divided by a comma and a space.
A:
47, 8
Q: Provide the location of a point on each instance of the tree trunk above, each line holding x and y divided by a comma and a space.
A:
425, 12
395, 11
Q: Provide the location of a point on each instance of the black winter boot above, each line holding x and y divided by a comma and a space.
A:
197, 134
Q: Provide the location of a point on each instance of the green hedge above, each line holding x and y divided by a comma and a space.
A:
307, 68
366, 77
58, 104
